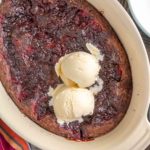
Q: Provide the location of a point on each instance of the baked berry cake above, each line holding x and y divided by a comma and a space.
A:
63, 66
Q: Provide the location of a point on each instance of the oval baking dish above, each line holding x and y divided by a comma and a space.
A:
134, 131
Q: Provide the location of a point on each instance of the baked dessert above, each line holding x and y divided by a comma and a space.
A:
34, 35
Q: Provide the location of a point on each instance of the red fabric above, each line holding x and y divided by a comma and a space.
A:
9, 140
4, 145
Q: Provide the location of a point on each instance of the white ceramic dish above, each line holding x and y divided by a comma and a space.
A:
140, 10
134, 131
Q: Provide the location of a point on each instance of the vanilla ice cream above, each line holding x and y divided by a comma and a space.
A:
95, 51
71, 104
79, 69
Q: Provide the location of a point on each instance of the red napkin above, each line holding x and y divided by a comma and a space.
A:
4, 145
9, 140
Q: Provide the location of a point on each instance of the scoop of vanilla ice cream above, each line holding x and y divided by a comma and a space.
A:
95, 51
78, 68
58, 89
71, 104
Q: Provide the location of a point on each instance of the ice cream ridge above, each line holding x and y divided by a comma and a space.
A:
78, 71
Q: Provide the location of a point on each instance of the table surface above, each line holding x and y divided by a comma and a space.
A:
146, 40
